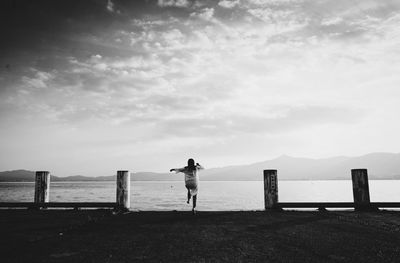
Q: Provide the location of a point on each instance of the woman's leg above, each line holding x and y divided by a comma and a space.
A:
188, 196
194, 201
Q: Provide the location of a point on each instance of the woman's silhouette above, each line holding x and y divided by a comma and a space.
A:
191, 180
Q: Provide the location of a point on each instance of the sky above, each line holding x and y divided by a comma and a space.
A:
92, 87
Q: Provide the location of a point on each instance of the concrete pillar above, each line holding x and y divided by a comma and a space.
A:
123, 190
270, 189
42, 187
360, 189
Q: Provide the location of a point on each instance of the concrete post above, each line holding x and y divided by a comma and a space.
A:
123, 190
360, 189
42, 187
270, 189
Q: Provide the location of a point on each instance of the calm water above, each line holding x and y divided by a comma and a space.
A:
212, 195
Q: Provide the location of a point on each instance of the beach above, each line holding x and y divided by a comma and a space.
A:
248, 236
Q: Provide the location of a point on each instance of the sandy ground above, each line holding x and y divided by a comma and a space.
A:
101, 236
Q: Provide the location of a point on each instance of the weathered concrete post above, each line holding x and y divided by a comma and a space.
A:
270, 189
123, 190
42, 187
360, 189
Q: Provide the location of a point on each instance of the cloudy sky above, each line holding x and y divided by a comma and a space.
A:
90, 87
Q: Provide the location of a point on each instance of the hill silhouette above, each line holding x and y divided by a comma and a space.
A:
379, 165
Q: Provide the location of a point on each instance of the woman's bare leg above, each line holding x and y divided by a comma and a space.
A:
194, 201
188, 196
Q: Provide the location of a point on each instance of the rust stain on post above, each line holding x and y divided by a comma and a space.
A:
270, 189
42, 187
360, 189
123, 190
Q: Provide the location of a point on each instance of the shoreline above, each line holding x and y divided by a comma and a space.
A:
150, 181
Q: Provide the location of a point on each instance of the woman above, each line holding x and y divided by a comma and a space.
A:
191, 180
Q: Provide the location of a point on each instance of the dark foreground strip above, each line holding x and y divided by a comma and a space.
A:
335, 204
112, 205
58, 205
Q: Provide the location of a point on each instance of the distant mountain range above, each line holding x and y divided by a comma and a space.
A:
29, 176
379, 165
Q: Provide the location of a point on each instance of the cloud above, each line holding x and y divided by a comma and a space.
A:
97, 56
205, 14
110, 6
173, 39
228, 3
173, 3
39, 80
331, 21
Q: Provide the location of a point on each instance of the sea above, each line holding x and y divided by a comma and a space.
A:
212, 196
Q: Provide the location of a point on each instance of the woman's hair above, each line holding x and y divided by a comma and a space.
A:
191, 165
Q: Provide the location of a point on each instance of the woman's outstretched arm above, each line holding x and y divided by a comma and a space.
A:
199, 166
177, 170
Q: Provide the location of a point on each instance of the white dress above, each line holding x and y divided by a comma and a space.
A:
191, 178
